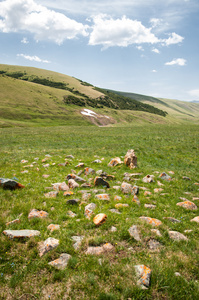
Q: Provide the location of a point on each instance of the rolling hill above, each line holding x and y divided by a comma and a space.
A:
37, 97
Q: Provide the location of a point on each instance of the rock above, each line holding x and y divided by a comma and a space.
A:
144, 275
116, 187
153, 244
156, 231
117, 198
53, 227
52, 194
173, 220
46, 165
18, 234
159, 183
133, 231
148, 179
183, 199
89, 171
165, 176
60, 186
47, 245
116, 211
13, 222
34, 213
177, 236
196, 219
73, 201
75, 177
63, 164
152, 221
187, 205
24, 161
158, 190
127, 188
86, 196
195, 198
114, 162
136, 200
77, 240
97, 161
100, 181
186, 178
99, 219
119, 205
61, 262
80, 165
130, 159
9, 184
71, 214
89, 210
99, 250
113, 229
86, 185
147, 193
72, 184
103, 197
177, 274
44, 175
70, 156
68, 193
151, 206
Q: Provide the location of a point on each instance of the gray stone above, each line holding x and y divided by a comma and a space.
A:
18, 234
165, 176
173, 220
116, 211
47, 245
133, 231
148, 179
61, 262
177, 236
154, 245
144, 276
77, 240
151, 206
75, 177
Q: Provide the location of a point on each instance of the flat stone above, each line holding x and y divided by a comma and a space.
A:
18, 234
152, 221
148, 179
60, 186
34, 213
47, 245
99, 219
159, 183
13, 222
116, 211
113, 229
52, 194
53, 227
72, 184
195, 198
100, 181
61, 262
151, 206
156, 231
165, 176
71, 214
97, 161
89, 171
99, 250
114, 162
103, 197
133, 231
119, 205
187, 205
186, 178
173, 220
147, 193
78, 241
158, 190
154, 245
9, 184
144, 275
196, 219
86, 185
177, 236
68, 193
70, 156
80, 165
75, 177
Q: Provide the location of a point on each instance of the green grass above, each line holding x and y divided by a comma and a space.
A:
24, 275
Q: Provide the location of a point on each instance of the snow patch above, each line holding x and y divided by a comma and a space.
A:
88, 112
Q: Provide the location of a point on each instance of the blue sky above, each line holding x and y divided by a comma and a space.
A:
147, 47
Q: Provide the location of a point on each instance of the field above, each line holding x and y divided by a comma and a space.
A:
111, 274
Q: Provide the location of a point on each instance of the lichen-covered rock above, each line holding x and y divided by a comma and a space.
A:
119, 205
78, 241
60, 186
196, 219
117, 198
99, 219
114, 162
53, 227
177, 236
165, 176
151, 221
20, 234
99, 250
102, 197
89, 171
47, 245
133, 231
52, 194
34, 213
72, 184
13, 222
144, 275
148, 178
130, 159
100, 181
9, 184
75, 177
151, 206
127, 188
154, 245
136, 200
187, 205
61, 262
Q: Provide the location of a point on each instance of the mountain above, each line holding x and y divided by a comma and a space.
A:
37, 97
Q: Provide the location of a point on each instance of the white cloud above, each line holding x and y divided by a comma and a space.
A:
155, 22
177, 61
43, 23
173, 39
140, 48
24, 41
154, 71
33, 58
155, 50
119, 32
194, 93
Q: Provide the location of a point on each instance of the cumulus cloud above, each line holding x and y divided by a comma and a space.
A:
194, 93
155, 50
154, 71
119, 32
24, 41
43, 23
33, 58
177, 61
174, 38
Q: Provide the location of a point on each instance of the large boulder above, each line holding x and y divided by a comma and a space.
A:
130, 159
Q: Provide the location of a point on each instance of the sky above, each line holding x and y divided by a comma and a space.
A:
148, 47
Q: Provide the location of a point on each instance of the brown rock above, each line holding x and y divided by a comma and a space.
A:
53, 227
100, 181
52, 194
72, 184
102, 197
130, 159
196, 219
34, 213
114, 162
99, 219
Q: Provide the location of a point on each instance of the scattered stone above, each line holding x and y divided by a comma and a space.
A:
24, 161
136, 200
116, 211
77, 240
177, 274
72, 184
147, 193
34, 213
130, 159
186, 178
89, 171
148, 179
187, 205
47, 245
165, 176
144, 275
13, 222
99, 219
89, 210
68, 193
127, 188
183, 199
158, 190
114, 162
86, 196
156, 231
177, 236
99, 250
80, 165
44, 175
70, 156
71, 214
113, 229
196, 219
73, 201
86, 185
188, 231
103, 197
151, 206
52, 194
195, 199
63, 164
61, 262
173, 220
196, 183
119, 205
46, 165
61, 186
117, 198
53, 227
97, 161
9, 184
25, 171
133, 231
100, 181
18, 234
159, 183
154, 245
75, 177
152, 221
171, 172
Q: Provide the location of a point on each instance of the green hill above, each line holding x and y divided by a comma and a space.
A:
36, 97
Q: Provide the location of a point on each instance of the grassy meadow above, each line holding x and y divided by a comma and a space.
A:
159, 148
